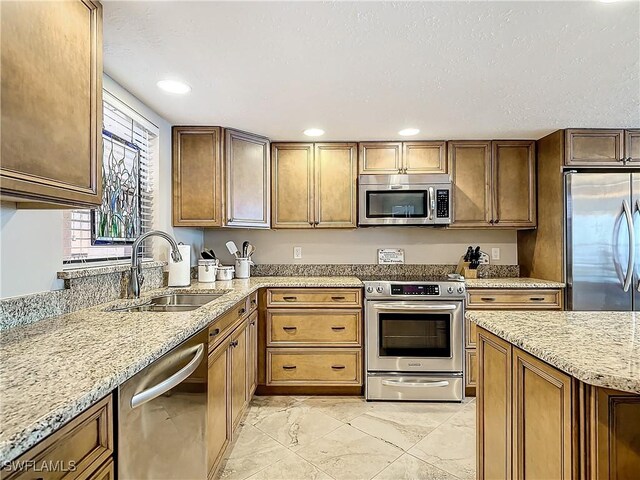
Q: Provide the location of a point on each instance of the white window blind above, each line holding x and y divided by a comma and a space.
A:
124, 126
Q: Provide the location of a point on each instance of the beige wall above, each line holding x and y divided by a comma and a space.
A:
421, 245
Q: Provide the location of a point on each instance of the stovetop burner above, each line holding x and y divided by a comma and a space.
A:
453, 277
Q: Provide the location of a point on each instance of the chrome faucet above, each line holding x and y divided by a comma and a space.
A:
136, 265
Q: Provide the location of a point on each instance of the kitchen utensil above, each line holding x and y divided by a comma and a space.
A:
206, 255
225, 273
251, 249
467, 256
212, 253
207, 270
245, 249
233, 249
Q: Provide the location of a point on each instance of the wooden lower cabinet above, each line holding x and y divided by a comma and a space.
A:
501, 299
252, 355
218, 425
239, 397
535, 421
105, 472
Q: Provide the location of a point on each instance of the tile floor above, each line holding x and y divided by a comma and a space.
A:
346, 438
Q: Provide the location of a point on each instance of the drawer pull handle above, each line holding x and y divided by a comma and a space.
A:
234, 343
289, 299
289, 367
338, 367
286, 329
252, 323
337, 328
488, 299
241, 312
337, 299
214, 332
536, 299
253, 302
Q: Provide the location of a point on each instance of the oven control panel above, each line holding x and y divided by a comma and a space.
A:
424, 289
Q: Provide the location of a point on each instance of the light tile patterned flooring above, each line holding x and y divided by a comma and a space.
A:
347, 438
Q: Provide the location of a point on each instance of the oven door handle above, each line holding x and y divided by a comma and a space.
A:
398, 383
430, 308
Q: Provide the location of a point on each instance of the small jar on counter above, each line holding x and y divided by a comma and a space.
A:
207, 270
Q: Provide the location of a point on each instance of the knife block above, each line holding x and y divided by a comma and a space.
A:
469, 272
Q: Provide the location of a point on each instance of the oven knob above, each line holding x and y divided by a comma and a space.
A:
379, 289
450, 289
460, 289
369, 289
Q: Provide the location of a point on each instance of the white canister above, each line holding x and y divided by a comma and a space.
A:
243, 267
224, 273
207, 270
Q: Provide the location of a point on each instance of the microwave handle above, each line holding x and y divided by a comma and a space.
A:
432, 203
430, 308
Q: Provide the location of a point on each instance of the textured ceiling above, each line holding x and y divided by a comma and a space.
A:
364, 70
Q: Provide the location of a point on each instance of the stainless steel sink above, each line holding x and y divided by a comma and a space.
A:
172, 302
181, 299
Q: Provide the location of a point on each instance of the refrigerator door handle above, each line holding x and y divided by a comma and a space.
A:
637, 209
632, 246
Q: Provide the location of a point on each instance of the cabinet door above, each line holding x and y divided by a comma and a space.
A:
591, 147
632, 145
218, 425
51, 115
471, 372
238, 373
542, 427
470, 169
380, 157
252, 355
514, 183
248, 180
494, 407
292, 185
425, 157
336, 173
615, 449
197, 177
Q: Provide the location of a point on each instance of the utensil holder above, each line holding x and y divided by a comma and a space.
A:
243, 267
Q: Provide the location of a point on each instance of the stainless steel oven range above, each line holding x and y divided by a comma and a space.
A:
414, 339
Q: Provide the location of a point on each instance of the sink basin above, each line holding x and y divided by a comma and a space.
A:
172, 302
182, 299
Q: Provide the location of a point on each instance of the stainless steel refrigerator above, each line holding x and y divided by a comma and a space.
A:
602, 234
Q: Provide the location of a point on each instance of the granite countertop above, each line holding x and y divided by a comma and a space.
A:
52, 370
598, 348
517, 282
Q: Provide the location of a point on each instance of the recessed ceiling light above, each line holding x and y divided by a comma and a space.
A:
313, 132
407, 132
174, 86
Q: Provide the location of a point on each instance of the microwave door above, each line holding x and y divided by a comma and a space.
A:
386, 205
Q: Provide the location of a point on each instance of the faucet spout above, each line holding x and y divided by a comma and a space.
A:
137, 278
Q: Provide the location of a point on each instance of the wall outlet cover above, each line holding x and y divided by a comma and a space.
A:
297, 252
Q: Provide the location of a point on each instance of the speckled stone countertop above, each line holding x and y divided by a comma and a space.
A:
520, 282
598, 348
52, 370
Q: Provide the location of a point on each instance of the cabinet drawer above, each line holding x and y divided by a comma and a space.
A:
289, 366
252, 302
314, 297
469, 334
83, 445
313, 327
224, 324
523, 299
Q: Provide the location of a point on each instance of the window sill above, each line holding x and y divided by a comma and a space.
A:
82, 270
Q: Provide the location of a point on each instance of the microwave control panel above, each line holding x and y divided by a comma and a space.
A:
442, 203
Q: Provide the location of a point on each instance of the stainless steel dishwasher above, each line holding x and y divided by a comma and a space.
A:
163, 416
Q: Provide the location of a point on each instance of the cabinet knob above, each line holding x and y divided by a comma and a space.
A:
241, 312
214, 332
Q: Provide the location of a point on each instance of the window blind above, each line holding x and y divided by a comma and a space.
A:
120, 121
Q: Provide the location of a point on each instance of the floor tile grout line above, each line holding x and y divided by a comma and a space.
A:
434, 466
311, 463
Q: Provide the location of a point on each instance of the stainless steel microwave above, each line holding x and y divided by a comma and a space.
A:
404, 200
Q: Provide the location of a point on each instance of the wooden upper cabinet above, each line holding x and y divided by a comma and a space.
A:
380, 157
513, 183
248, 176
336, 171
470, 169
424, 157
292, 185
632, 145
592, 147
51, 116
542, 419
197, 177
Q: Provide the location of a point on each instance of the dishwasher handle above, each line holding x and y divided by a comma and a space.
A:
171, 382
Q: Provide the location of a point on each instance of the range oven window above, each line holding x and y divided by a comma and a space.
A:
401, 204
414, 335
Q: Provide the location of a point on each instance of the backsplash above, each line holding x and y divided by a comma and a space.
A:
484, 271
83, 288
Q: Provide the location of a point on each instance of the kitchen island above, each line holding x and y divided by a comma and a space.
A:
558, 394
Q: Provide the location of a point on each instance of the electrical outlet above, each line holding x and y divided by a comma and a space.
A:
495, 254
297, 252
